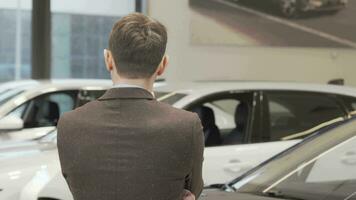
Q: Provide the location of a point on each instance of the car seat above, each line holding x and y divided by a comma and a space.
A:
211, 131
49, 114
237, 135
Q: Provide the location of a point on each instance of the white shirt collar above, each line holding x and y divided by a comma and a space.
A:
124, 85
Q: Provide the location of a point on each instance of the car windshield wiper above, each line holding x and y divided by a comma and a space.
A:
280, 195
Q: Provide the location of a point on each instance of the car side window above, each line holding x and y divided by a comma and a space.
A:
224, 111
64, 101
350, 103
290, 113
225, 119
86, 96
19, 111
45, 110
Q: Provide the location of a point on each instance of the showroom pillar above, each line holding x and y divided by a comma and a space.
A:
138, 5
41, 39
141, 6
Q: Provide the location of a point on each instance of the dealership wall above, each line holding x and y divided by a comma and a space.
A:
199, 62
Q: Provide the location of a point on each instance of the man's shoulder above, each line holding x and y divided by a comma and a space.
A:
168, 110
80, 112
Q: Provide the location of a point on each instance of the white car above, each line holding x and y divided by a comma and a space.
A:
33, 107
30, 109
321, 167
254, 121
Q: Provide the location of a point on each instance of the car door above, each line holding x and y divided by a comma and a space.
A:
41, 114
227, 120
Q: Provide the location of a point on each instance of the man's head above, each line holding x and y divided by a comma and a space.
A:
137, 47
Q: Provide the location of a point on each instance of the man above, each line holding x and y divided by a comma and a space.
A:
126, 145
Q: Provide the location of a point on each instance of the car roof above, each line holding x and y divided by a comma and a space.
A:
16, 84
59, 83
189, 87
205, 87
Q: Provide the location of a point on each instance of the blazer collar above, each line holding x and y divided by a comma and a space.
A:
126, 93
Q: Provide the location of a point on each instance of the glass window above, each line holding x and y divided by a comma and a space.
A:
225, 118
224, 111
350, 103
80, 33
46, 110
86, 96
291, 113
64, 101
15, 34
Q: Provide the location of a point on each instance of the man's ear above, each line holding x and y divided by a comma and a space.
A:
109, 63
162, 67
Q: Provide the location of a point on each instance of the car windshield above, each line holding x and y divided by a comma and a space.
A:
10, 90
322, 167
9, 94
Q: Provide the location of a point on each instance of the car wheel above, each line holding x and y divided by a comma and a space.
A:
289, 8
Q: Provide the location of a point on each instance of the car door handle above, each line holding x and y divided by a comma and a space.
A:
349, 158
234, 161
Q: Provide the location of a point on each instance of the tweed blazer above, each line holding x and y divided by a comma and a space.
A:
127, 145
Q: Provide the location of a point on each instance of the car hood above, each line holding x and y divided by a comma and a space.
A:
221, 195
14, 150
24, 168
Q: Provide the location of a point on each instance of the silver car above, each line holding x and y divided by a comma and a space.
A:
292, 8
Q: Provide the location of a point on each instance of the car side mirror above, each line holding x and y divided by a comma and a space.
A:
11, 123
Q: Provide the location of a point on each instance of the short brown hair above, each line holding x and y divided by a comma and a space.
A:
138, 44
